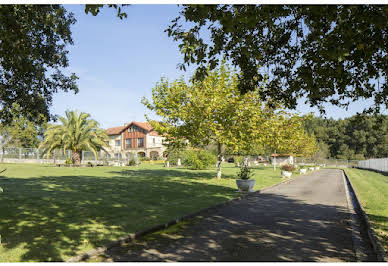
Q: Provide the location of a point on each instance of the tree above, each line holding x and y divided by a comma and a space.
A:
20, 132
328, 53
322, 153
95, 9
33, 56
357, 137
76, 133
211, 111
289, 136
33, 40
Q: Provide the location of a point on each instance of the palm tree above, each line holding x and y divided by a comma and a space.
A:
77, 133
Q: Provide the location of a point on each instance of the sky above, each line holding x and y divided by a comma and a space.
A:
119, 61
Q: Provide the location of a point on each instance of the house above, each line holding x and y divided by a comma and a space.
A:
135, 138
281, 159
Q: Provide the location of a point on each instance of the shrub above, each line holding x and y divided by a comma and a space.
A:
201, 159
173, 157
131, 162
245, 172
288, 167
145, 158
69, 161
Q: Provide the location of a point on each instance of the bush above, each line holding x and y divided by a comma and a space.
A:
288, 167
173, 157
69, 161
201, 159
145, 158
131, 162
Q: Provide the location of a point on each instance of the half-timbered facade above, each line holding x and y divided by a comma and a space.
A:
135, 138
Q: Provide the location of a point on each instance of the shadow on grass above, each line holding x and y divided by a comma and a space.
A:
52, 218
171, 173
381, 224
252, 230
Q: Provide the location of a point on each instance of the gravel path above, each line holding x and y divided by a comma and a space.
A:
305, 220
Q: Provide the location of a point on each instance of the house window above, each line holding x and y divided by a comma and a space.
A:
118, 143
140, 142
127, 143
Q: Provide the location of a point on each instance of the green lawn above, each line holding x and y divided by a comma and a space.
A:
50, 214
372, 191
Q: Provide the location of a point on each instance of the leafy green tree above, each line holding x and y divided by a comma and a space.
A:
33, 41
33, 56
357, 137
289, 136
20, 132
327, 53
322, 153
76, 133
211, 111
95, 9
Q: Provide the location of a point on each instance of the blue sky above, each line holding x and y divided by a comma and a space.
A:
119, 61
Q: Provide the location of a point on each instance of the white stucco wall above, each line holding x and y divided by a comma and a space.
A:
112, 143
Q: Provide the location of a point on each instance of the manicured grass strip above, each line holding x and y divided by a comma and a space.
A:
51, 214
372, 192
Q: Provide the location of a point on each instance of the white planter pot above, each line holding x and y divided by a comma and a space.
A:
286, 174
245, 185
302, 171
317, 168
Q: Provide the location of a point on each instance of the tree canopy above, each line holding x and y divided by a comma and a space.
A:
33, 56
20, 132
356, 138
213, 111
77, 132
327, 53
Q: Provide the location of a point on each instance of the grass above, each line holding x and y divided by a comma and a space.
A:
372, 192
50, 214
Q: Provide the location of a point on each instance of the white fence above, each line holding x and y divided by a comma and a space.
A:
375, 164
34, 155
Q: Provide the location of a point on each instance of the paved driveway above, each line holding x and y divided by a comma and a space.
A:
305, 220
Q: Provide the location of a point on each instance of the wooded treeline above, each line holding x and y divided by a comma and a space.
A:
355, 138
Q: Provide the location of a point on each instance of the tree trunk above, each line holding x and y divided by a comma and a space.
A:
76, 156
219, 161
274, 162
2, 155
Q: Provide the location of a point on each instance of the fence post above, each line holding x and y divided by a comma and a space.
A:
82, 156
20, 153
37, 153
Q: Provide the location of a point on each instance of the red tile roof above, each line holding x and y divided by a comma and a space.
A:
115, 130
144, 125
154, 133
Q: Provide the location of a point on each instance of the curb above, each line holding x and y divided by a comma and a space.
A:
377, 247
355, 224
131, 237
